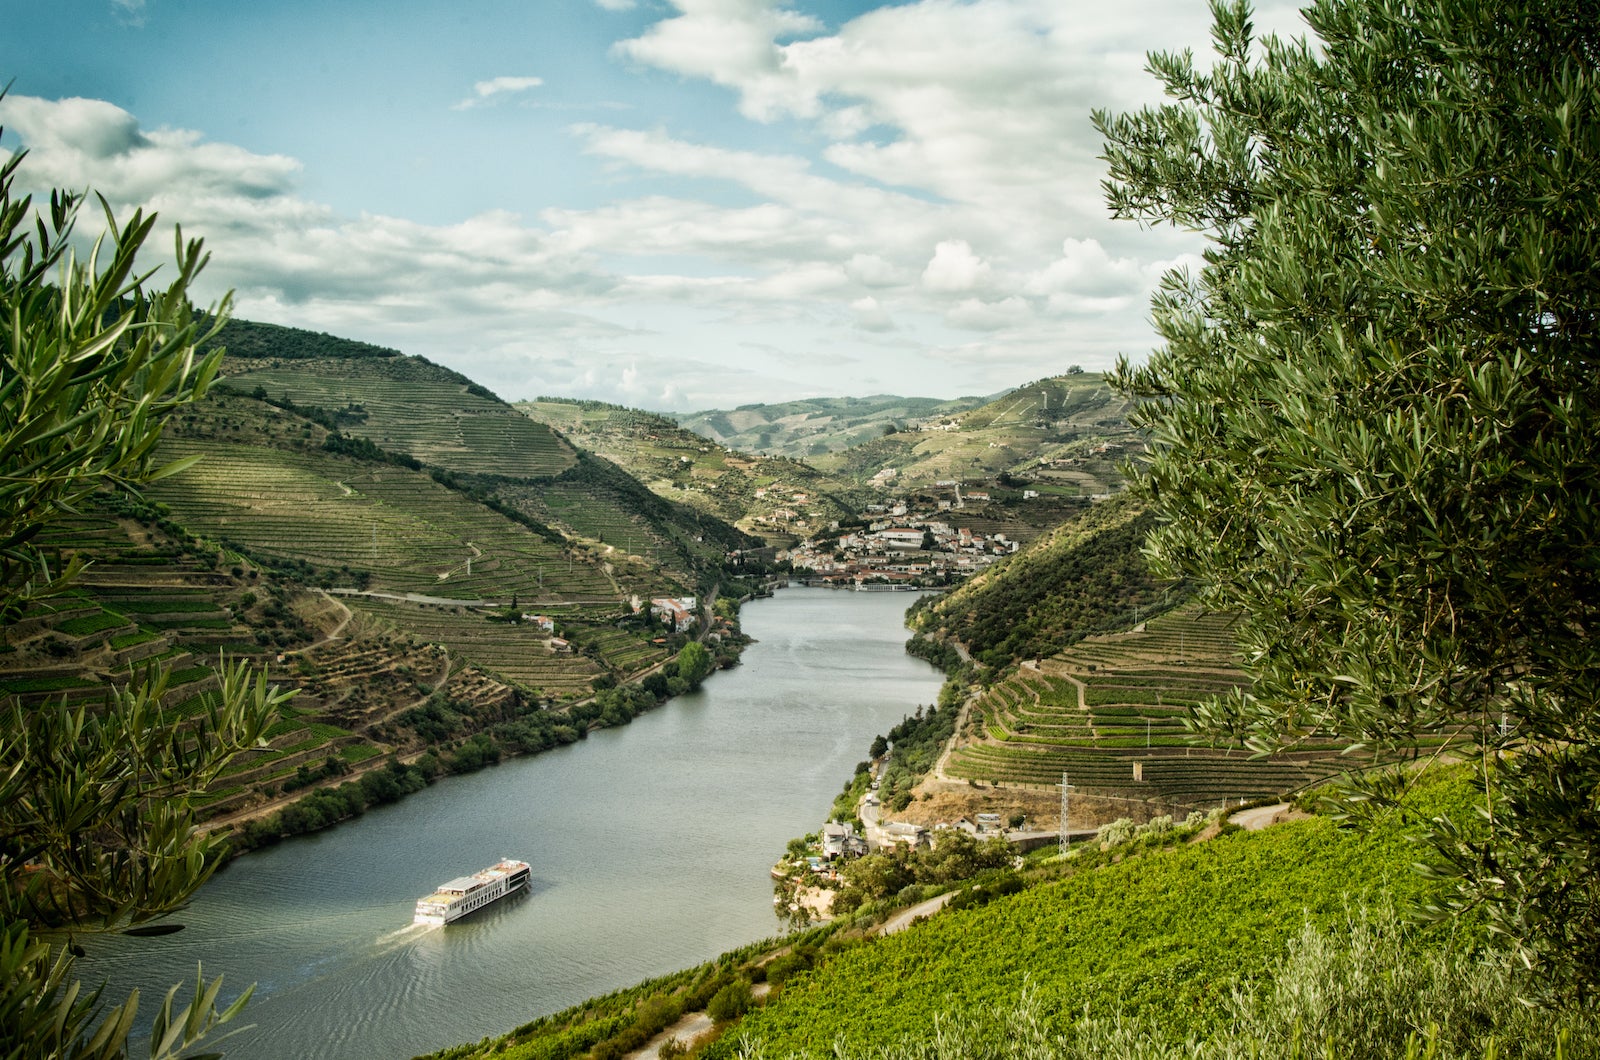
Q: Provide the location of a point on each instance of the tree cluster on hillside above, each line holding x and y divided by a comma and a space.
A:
246, 338
1375, 421
958, 856
914, 745
1086, 577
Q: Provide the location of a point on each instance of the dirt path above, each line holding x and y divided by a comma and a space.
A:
688, 1030
1259, 817
333, 634
906, 917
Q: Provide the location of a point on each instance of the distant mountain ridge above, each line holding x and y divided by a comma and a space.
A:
811, 426
777, 498
1070, 431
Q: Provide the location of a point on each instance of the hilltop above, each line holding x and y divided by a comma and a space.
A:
1067, 434
778, 499
813, 426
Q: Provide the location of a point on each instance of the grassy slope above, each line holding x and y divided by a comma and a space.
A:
412, 406
1164, 936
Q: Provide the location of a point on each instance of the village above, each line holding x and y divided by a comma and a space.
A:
906, 545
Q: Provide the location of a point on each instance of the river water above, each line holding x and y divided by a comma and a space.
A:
650, 846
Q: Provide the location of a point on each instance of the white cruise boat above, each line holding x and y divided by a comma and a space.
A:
467, 894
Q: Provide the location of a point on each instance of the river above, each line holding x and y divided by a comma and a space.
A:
650, 847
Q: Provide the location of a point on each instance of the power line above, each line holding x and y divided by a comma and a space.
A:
1064, 843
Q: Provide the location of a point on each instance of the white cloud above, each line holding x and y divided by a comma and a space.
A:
974, 314
76, 142
128, 12
871, 316
734, 43
487, 92
616, 5
931, 209
954, 267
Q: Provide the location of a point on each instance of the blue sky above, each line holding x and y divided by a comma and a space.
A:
674, 205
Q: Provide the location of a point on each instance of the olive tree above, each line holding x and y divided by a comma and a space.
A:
1375, 415
97, 824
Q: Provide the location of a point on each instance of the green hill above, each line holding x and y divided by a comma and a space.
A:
409, 405
1066, 435
813, 426
371, 529
1169, 945
250, 339
1086, 576
478, 444
776, 498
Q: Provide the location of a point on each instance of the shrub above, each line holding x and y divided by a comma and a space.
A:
731, 1002
1116, 833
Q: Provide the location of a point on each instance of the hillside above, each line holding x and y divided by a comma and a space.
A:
1169, 944
405, 405
1086, 576
1064, 435
1108, 715
440, 578
777, 499
810, 427
482, 445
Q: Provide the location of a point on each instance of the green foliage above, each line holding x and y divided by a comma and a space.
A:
92, 367
1376, 427
1362, 991
694, 663
97, 809
245, 338
366, 449
957, 856
916, 743
731, 1002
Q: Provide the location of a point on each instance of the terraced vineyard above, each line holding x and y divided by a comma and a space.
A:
1109, 714
412, 406
516, 654
399, 527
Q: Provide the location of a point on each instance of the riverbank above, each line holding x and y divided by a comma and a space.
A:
340, 792
650, 845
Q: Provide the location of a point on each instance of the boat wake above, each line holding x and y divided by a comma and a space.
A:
403, 935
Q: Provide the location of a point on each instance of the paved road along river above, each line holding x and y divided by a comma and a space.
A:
650, 846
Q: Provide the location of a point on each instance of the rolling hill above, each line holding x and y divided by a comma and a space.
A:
778, 499
377, 533
476, 443
1065, 435
811, 427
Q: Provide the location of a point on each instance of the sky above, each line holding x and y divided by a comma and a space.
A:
669, 204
